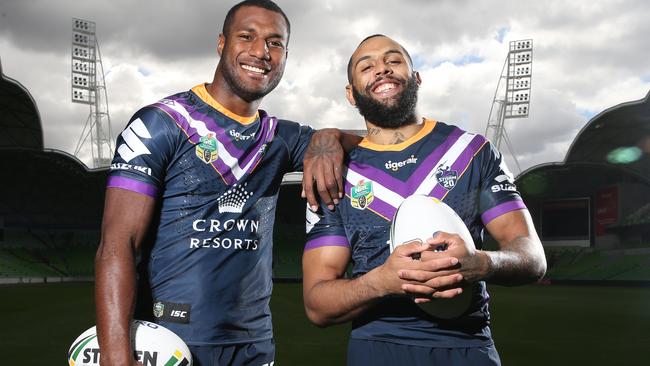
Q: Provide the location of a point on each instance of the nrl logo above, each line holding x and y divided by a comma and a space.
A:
362, 195
206, 150
446, 177
158, 309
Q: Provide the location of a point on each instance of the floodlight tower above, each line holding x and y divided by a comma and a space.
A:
89, 87
514, 101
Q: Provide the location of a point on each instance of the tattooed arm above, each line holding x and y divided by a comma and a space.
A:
323, 164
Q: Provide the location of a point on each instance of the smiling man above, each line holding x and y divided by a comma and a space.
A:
192, 191
404, 154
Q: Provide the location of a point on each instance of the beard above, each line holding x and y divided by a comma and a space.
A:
401, 113
239, 87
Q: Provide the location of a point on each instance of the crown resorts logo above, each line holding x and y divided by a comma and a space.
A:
361, 195
446, 177
206, 149
234, 199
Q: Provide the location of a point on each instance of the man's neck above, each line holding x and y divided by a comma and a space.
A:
392, 136
222, 93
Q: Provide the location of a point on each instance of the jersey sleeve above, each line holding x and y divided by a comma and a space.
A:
498, 194
143, 151
325, 228
297, 138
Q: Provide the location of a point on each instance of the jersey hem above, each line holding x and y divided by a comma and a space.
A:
432, 344
246, 341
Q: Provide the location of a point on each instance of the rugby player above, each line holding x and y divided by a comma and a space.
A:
433, 158
192, 191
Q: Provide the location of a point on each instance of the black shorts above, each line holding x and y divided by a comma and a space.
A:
376, 353
253, 354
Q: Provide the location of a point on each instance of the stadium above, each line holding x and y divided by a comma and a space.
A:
591, 211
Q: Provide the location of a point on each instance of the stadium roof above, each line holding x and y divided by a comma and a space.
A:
619, 136
20, 121
49, 189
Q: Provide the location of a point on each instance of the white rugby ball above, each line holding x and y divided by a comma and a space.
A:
418, 218
153, 344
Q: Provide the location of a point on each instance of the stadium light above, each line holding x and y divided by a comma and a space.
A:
88, 87
514, 101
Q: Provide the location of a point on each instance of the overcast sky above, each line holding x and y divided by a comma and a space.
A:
588, 56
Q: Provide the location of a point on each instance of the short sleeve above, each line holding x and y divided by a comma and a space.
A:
499, 194
325, 228
142, 153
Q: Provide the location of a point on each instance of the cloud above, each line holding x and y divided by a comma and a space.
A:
588, 56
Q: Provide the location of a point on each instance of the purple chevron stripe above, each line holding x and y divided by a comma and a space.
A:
194, 137
407, 188
264, 136
432, 160
384, 209
468, 154
132, 185
438, 192
499, 210
461, 163
243, 156
212, 126
327, 241
192, 134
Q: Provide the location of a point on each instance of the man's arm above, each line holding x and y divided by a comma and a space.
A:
323, 164
126, 218
329, 298
520, 258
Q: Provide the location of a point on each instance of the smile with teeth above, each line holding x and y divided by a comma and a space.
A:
384, 87
253, 69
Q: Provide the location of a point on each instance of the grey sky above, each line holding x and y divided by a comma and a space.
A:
588, 56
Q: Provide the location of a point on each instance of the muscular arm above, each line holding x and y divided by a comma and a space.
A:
126, 218
323, 163
520, 258
330, 299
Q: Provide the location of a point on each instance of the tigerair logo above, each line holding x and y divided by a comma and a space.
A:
395, 166
238, 136
133, 145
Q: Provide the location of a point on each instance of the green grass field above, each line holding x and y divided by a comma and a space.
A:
532, 325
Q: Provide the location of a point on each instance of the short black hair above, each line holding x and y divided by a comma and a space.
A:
408, 56
264, 4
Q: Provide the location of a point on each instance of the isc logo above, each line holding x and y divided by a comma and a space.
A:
178, 314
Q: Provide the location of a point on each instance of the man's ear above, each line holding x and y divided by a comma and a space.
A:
349, 95
221, 42
418, 79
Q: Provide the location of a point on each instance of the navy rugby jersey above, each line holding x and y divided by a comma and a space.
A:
443, 161
215, 176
